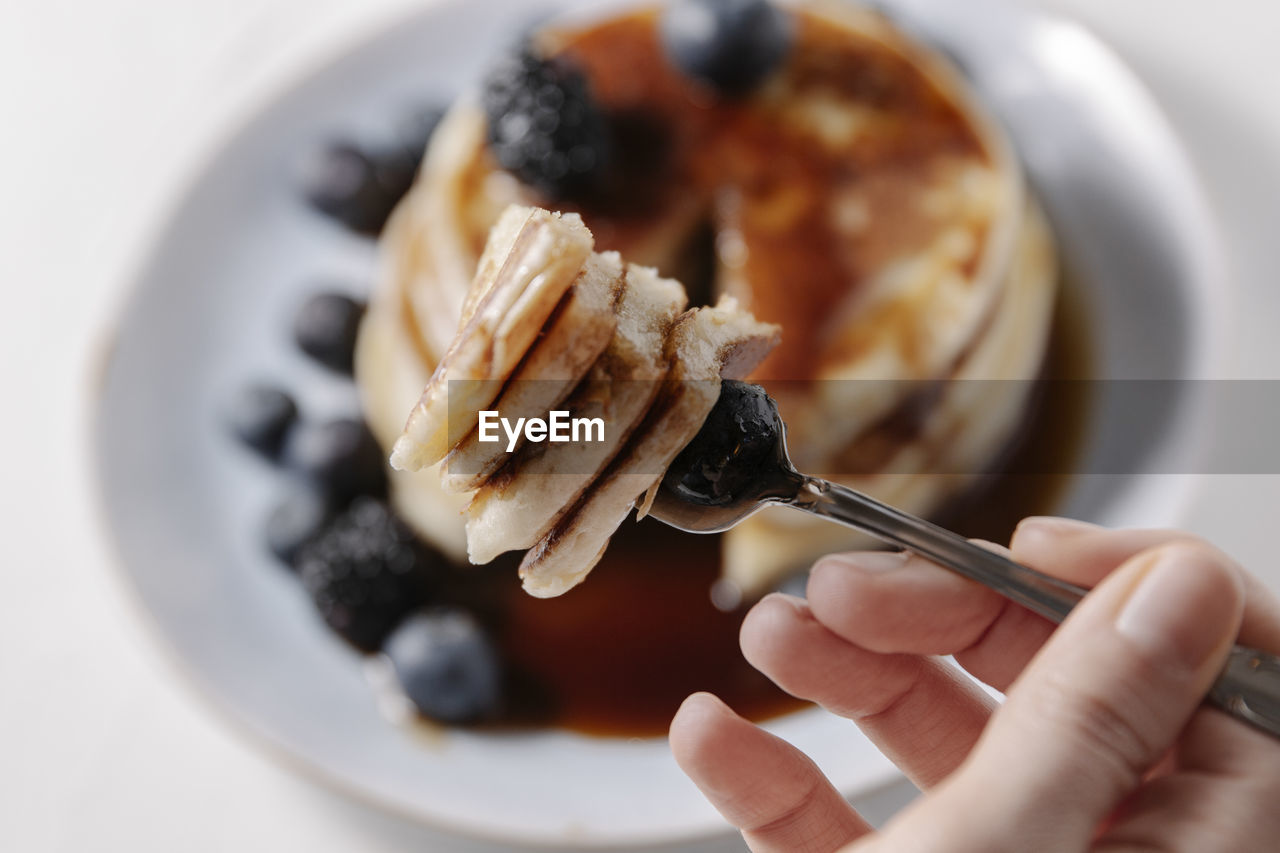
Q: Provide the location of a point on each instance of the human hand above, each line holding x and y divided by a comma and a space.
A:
1102, 743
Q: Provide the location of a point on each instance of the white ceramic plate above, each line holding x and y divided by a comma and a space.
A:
241, 249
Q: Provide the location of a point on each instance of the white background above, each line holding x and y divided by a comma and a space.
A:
105, 105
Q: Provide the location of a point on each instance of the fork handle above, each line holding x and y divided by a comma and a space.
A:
1248, 688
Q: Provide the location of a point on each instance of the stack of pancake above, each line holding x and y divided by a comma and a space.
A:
549, 324
861, 199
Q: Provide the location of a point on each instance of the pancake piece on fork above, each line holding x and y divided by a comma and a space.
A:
531, 260
518, 505
574, 337
706, 345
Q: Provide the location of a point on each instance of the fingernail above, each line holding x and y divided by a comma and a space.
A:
1180, 609
795, 602
708, 701
872, 562
1046, 525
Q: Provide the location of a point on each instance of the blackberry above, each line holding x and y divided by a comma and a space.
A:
326, 327
260, 416
544, 126
365, 571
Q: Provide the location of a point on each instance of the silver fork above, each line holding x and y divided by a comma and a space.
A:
738, 464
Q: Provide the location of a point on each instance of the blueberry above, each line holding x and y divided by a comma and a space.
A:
326, 327
731, 44
446, 665
365, 571
544, 126
341, 457
357, 187
260, 416
297, 519
742, 436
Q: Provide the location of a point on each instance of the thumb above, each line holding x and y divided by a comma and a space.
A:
1106, 697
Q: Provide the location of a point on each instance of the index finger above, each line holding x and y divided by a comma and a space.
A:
1085, 553
922, 609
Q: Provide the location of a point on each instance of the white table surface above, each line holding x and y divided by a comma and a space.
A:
105, 106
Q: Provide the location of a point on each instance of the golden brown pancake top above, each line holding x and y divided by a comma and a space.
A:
845, 117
